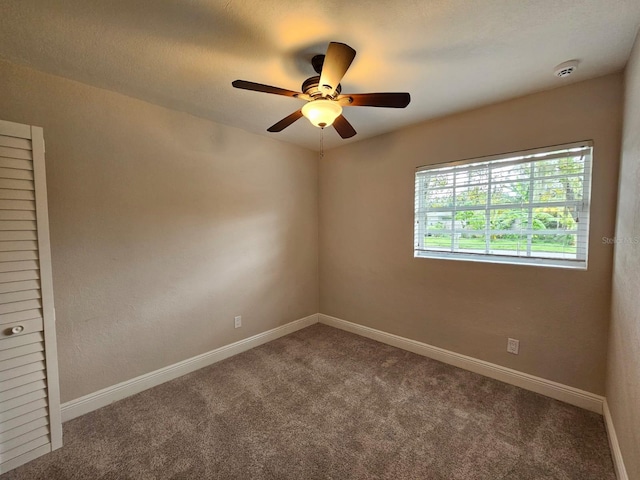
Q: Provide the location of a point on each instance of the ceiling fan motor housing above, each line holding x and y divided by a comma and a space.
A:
311, 86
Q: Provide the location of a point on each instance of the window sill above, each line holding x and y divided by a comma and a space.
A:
503, 259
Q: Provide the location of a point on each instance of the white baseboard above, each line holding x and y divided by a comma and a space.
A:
564, 393
616, 453
106, 396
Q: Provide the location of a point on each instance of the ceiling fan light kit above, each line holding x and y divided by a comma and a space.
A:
323, 93
322, 113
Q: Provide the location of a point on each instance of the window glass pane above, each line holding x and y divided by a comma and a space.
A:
471, 176
561, 189
471, 196
438, 198
438, 241
514, 192
554, 244
471, 221
555, 218
472, 242
560, 166
509, 219
438, 221
508, 244
517, 206
511, 172
439, 180
553, 190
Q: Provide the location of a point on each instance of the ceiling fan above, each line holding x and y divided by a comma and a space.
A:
323, 95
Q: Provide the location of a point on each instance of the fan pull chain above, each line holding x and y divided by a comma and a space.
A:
321, 143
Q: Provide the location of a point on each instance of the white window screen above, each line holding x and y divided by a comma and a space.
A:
527, 207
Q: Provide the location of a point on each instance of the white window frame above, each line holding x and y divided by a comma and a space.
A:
529, 257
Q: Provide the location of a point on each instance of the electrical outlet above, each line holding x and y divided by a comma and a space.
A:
513, 346
237, 322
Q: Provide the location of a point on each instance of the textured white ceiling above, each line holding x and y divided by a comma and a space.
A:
450, 55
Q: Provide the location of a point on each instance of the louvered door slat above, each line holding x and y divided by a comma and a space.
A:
11, 194
16, 173
21, 351
16, 307
21, 295
23, 419
16, 184
22, 409
17, 215
24, 448
22, 429
23, 439
15, 142
22, 400
21, 316
8, 235
26, 393
15, 153
21, 360
19, 266
18, 246
17, 225
12, 363
15, 163
26, 457
12, 204
11, 287
30, 423
24, 389
21, 371
28, 326
19, 256
19, 276
25, 338
22, 380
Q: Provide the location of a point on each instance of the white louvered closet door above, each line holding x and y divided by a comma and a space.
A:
30, 422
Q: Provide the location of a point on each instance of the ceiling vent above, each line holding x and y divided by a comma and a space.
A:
565, 69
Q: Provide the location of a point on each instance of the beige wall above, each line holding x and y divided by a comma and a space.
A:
623, 375
369, 276
163, 227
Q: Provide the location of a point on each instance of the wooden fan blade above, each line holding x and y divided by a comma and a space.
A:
285, 122
343, 127
259, 87
336, 63
388, 100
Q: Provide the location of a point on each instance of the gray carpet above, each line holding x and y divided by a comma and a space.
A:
325, 404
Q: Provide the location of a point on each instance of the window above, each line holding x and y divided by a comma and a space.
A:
527, 207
